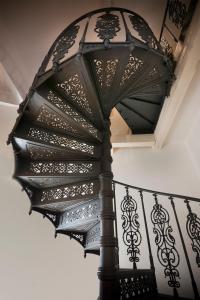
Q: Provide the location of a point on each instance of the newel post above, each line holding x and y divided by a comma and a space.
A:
108, 243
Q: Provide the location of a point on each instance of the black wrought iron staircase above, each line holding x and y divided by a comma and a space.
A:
61, 139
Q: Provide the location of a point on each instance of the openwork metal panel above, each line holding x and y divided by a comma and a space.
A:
81, 217
70, 192
134, 284
72, 113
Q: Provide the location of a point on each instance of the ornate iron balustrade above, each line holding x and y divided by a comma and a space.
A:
177, 17
169, 226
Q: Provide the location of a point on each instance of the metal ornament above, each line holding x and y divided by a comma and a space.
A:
64, 43
167, 253
131, 235
177, 12
107, 26
193, 230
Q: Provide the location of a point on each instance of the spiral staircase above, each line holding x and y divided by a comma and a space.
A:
61, 140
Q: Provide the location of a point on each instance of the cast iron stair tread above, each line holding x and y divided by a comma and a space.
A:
136, 121
81, 217
42, 112
34, 133
74, 83
39, 151
140, 77
50, 173
46, 95
144, 108
61, 197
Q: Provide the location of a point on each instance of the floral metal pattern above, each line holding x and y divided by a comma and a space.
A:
131, 234
177, 12
52, 168
144, 31
65, 42
61, 141
167, 253
52, 119
105, 71
193, 230
71, 112
138, 284
134, 64
74, 89
41, 152
107, 26
69, 191
166, 46
83, 212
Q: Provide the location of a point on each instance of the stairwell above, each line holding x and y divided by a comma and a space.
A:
61, 138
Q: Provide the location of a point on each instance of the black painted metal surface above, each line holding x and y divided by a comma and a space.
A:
61, 138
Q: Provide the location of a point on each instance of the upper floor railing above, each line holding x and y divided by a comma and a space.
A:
160, 232
177, 17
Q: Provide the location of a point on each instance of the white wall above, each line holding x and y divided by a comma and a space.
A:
33, 264
167, 170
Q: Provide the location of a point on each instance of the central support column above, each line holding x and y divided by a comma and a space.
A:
108, 243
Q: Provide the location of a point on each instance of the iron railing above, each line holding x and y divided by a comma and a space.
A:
169, 226
177, 17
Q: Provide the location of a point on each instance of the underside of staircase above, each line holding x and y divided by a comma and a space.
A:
61, 138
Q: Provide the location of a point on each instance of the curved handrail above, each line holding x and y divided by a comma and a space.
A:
88, 15
170, 195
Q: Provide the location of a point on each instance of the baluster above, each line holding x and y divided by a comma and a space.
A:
164, 20
131, 234
128, 34
116, 230
82, 41
193, 230
196, 294
167, 254
147, 231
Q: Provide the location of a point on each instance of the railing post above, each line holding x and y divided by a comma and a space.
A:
107, 272
194, 286
116, 229
147, 231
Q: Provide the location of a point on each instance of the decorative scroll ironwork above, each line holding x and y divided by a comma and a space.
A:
76, 190
74, 89
134, 64
193, 230
78, 237
82, 212
131, 235
41, 152
52, 119
105, 71
177, 12
71, 168
144, 31
141, 282
66, 41
71, 112
167, 253
166, 46
41, 135
107, 26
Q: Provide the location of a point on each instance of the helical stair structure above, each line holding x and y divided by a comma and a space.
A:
107, 58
